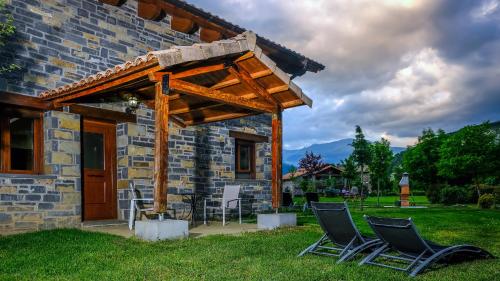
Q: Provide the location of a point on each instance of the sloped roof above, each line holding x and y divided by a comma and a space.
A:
290, 61
221, 58
184, 54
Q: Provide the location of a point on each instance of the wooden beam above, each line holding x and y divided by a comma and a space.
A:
177, 121
278, 89
218, 96
209, 35
106, 84
276, 151
100, 113
293, 103
14, 111
248, 81
198, 71
161, 146
248, 137
149, 10
216, 118
247, 55
13, 99
183, 25
235, 81
194, 108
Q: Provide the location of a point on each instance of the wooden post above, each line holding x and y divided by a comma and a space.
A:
161, 145
276, 150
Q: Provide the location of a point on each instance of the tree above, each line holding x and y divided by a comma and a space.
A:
420, 161
469, 155
7, 29
361, 155
311, 163
380, 164
349, 172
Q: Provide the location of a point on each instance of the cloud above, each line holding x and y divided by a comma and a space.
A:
394, 67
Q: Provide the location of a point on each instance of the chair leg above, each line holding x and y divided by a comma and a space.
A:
375, 254
312, 246
239, 209
223, 214
205, 211
358, 249
131, 216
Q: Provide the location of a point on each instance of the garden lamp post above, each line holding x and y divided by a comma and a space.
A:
405, 191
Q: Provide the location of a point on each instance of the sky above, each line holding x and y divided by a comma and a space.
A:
393, 67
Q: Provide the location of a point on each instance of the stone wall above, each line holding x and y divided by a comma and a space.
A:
201, 159
33, 202
62, 41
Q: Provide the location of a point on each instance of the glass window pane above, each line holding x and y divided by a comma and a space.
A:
93, 150
244, 157
21, 143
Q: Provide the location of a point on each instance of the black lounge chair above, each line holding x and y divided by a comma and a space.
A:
340, 230
401, 237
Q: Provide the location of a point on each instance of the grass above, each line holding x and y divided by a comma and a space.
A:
74, 254
371, 201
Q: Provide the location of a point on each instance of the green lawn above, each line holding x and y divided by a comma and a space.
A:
74, 254
370, 201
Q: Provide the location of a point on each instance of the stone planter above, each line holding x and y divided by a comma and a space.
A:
273, 221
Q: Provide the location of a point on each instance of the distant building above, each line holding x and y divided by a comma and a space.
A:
291, 180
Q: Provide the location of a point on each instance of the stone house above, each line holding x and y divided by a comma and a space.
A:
60, 166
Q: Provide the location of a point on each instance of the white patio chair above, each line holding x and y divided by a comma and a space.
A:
229, 200
138, 205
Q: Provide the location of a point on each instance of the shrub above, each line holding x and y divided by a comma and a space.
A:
486, 201
491, 189
454, 195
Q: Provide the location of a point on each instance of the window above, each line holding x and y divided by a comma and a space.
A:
20, 148
245, 159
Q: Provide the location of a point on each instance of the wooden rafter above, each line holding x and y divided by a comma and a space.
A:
99, 87
218, 96
197, 107
232, 82
211, 119
177, 121
278, 89
198, 71
248, 81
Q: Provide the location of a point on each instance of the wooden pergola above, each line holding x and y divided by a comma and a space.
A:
191, 85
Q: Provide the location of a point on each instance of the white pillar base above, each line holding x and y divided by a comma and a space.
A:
272, 221
155, 230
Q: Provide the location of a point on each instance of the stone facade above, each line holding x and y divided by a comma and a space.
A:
201, 159
61, 41
51, 200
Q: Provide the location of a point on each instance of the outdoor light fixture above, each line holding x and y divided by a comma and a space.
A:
132, 102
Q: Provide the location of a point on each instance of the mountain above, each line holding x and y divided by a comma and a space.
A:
332, 152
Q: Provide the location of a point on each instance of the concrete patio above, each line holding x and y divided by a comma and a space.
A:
120, 228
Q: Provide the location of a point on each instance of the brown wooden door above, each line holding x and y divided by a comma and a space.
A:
99, 170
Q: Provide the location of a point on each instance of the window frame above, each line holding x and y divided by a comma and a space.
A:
251, 171
5, 151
